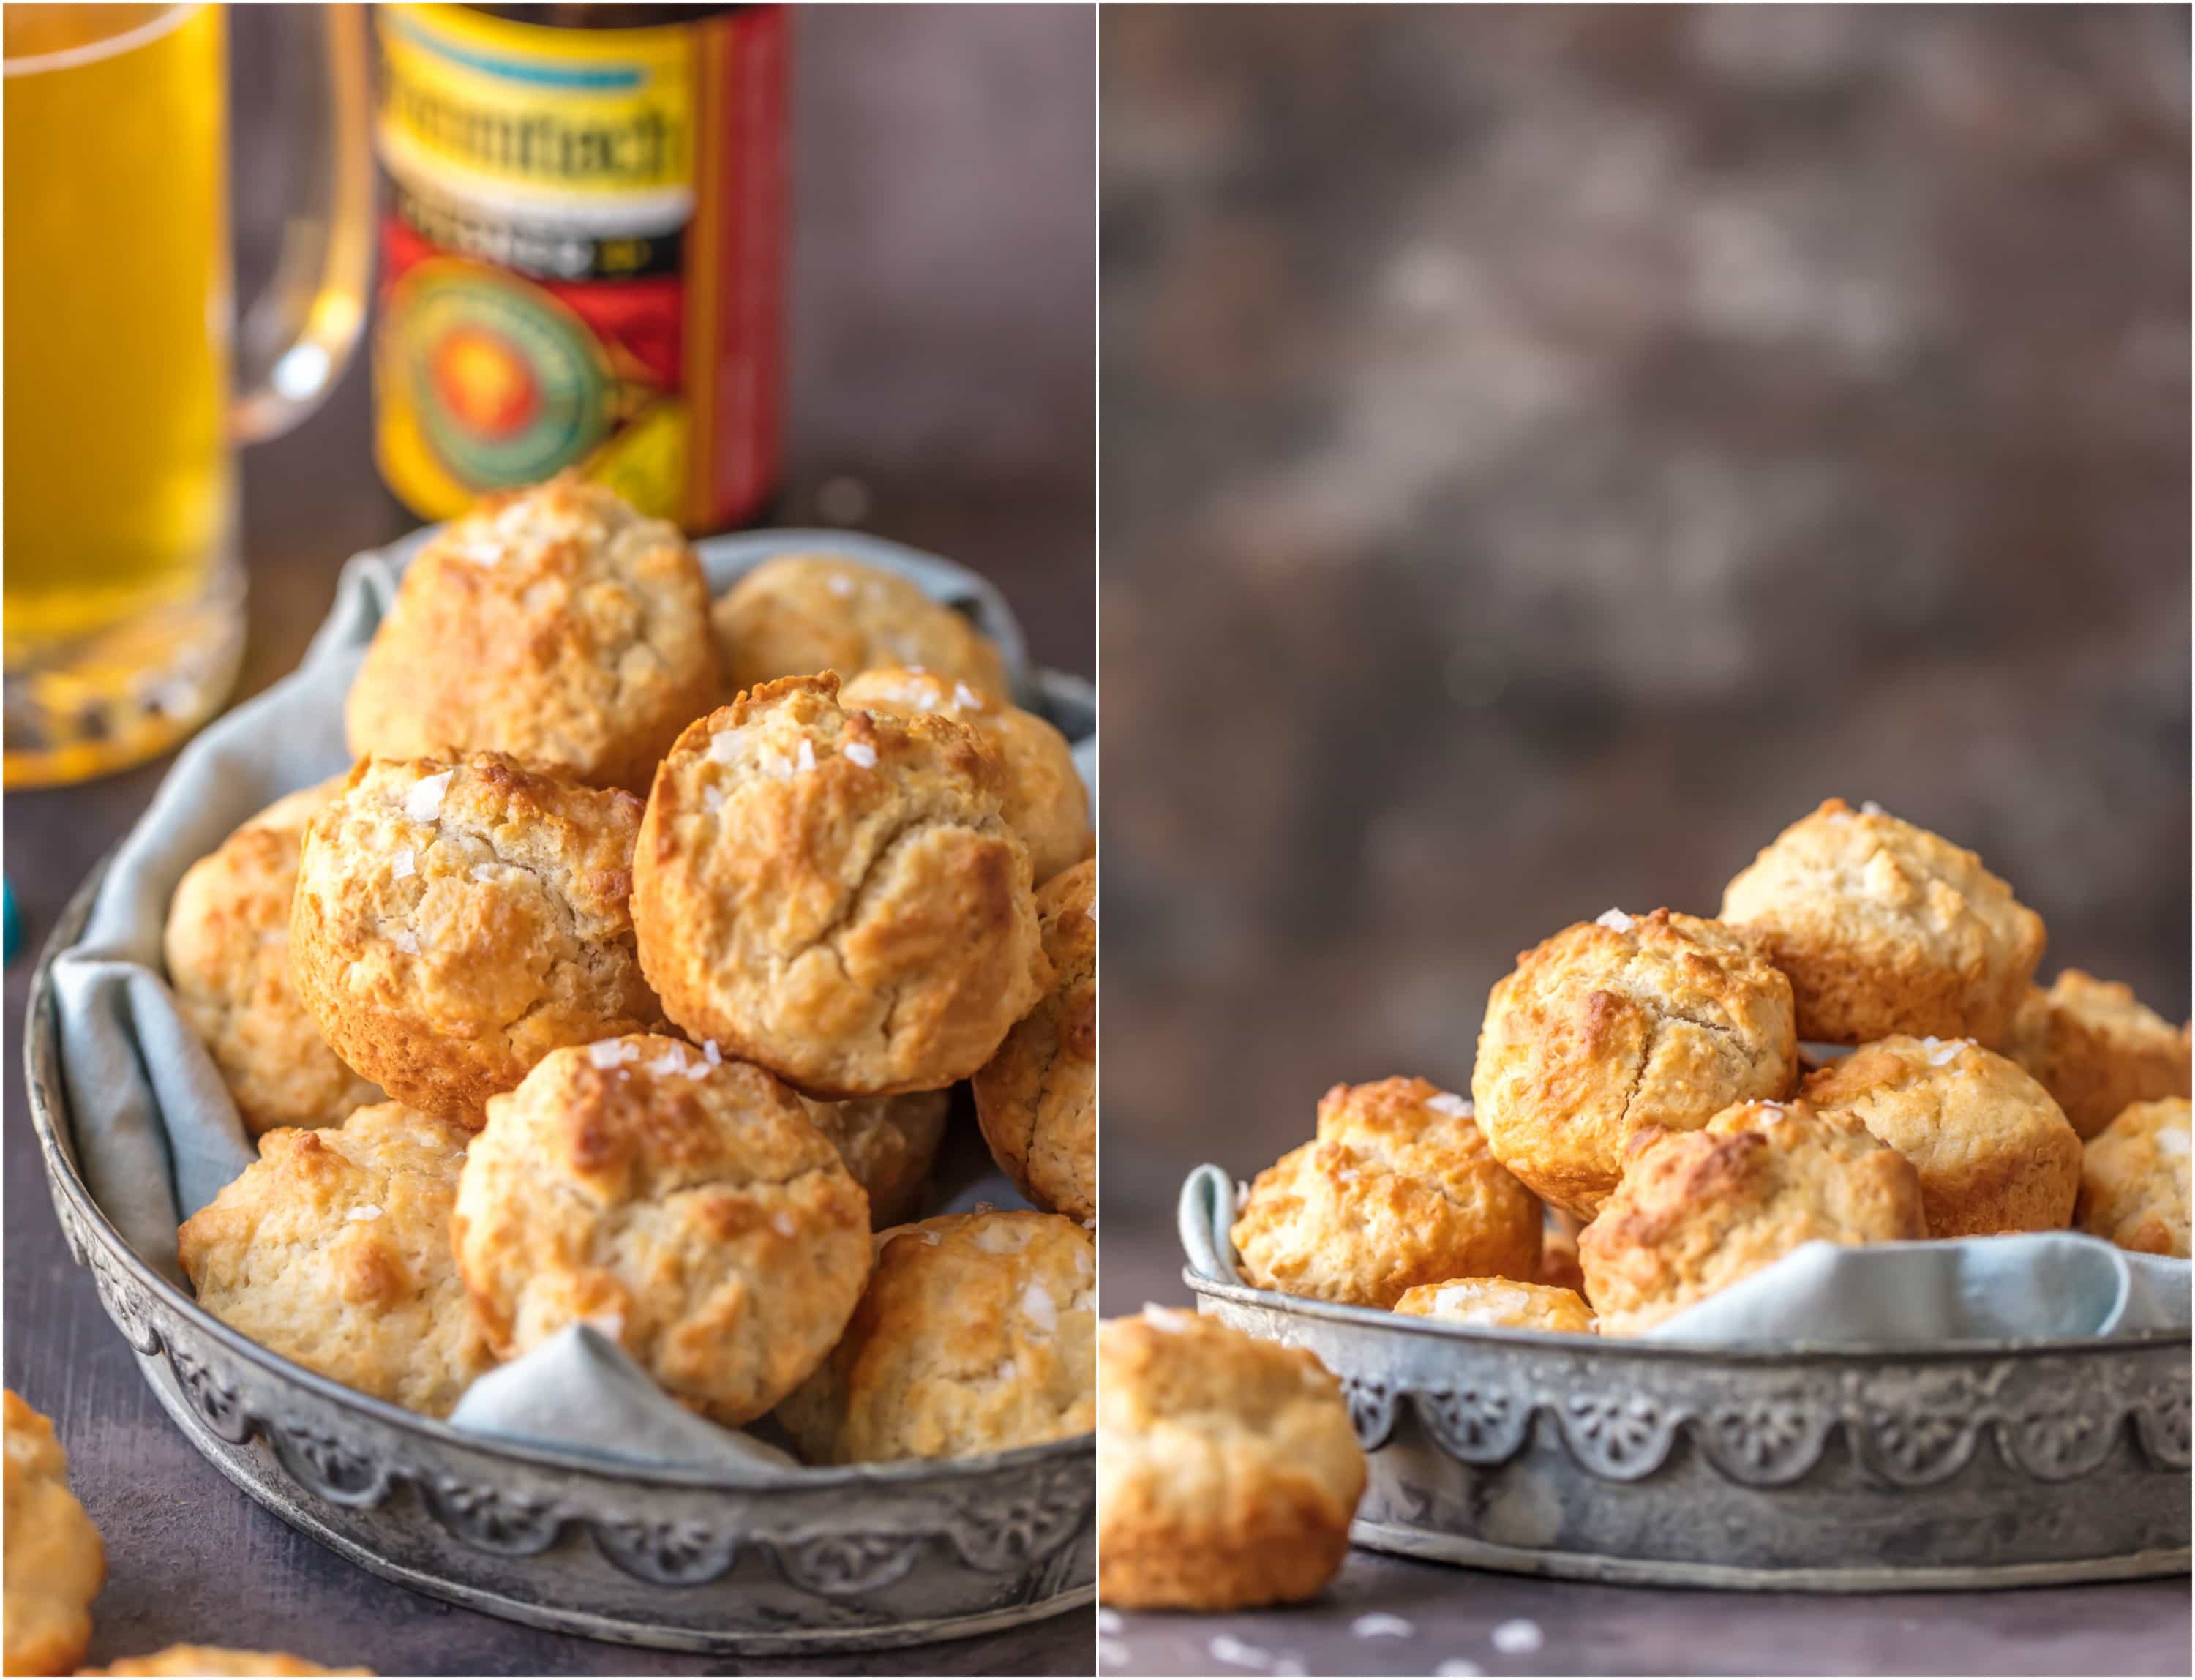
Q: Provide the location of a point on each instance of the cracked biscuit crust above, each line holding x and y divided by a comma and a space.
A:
975, 1334
1398, 1189
457, 920
2134, 1180
1615, 1025
1885, 928
228, 951
2096, 1048
1500, 1303
1994, 1152
833, 894
555, 624
1042, 797
333, 1250
1036, 1100
802, 614
55, 1562
689, 1209
217, 1660
1228, 1470
1698, 1210
888, 1144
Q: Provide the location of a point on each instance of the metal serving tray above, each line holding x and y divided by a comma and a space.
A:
2007, 1463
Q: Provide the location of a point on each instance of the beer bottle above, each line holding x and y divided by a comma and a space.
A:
582, 253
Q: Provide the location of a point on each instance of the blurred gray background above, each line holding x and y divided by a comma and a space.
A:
1546, 450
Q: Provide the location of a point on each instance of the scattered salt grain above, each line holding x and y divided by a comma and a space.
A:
1109, 1620
1086, 1301
1381, 1626
1518, 1638
966, 698
611, 1052
1870, 808
403, 869
784, 1224
671, 1061
405, 941
1616, 919
423, 802
1001, 1238
1039, 1309
839, 584
1458, 1668
483, 872
1943, 1052
1114, 1653
2172, 1141
1227, 1649
723, 746
712, 1053
712, 799
1089, 1224
931, 1240
861, 753
1349, 1174
1455, 1107
1172, 1319
776, 763
364, 1211
807, 759
1008, 1371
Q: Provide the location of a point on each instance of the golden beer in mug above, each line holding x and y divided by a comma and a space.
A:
118, 532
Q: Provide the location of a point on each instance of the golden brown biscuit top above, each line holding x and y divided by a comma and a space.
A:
1866, 866
2135, 1178
643, 1117
462, 883
216, 1659
801, 615
1665, 961
1402, 1124
55, 1561
1170, 1369
2110, 1006
1500, 1303
1937, 1082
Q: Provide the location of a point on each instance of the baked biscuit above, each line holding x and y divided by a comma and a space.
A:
1558, 1259
217, 1660
888, 1144
833, 894
1042, 797
1994, 1152
2096, 1048
802, 614
55, 1562
687, 1208
1698, 1210
2134, 1180
457, 920
1398, 1189
333, 1250
975, 1334
554, 624
227, 947
1885, 928
1499, 1303
1036, 1100
1227, 1467
1615, 1025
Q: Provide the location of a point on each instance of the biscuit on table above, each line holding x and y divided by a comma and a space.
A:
1228, 1470
687, 1208
214, 1659
1885, 928
975, 1334
2134, 1180
2097, 1048
1500, 1303
833, 894
554, 624
802, 614
1994, 1152
54, 1563
1699, 1210
333, 1249
458, 919
1398, 1189
228, 950
1036, 1100
1611, 1025
888, 1144
1042, 797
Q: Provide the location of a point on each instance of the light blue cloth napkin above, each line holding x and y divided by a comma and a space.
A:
2044, 1283
153, 1128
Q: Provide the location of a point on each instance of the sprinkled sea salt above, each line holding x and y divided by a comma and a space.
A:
1109, 1620
403, 866
1114, 1653
1381, 1626
776, 763
483, 872
1172, 1319
1518, 1638
1870, 808
966, 698
1943, 1052
806, 760
1227, 1649
1039, 1309
1449, 1103
1086, 1301
784, 1224
1008, 1371
712, 799
839, 584
861, 753
424, 803
364, 1211
405, 941
931, 1240
723, 746
1458, 1668
611, 1052
1001, 1238
1089, 1224
672, 1060
710, 1053
2172, 1141
1616, 919
1349, 1176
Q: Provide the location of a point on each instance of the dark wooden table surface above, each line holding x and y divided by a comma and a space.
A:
947, 393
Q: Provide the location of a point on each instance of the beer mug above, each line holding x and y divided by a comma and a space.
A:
129, 380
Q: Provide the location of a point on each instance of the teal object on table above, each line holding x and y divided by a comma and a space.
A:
11, 925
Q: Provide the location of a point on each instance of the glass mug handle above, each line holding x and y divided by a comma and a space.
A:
297, 335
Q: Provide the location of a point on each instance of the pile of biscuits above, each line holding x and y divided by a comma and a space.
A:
626, 979
1657, 1111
